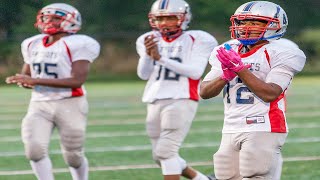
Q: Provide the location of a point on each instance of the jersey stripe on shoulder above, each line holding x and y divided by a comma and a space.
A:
267, 56
68, 51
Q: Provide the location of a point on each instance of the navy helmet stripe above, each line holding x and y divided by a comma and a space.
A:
163, 4
249, 6
277, 13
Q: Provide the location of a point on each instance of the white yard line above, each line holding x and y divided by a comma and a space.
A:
143, 166
143, 133
148, 147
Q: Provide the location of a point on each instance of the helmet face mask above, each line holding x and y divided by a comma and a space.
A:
167, 25
57, 18
169, 17
259, 11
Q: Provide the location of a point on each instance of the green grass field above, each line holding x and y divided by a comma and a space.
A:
117, 146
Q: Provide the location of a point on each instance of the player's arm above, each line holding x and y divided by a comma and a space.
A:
283, 69
26, 69
145, 65
268, 92
198, 60
209, 89
79, 73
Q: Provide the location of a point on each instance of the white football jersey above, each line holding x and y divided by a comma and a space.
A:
177, 74
53, 61
244, 111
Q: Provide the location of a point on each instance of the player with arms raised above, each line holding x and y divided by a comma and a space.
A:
255, 75
56, 66
173, 61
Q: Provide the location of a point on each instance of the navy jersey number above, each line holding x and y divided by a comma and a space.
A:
168, 74
38, 68
240, 90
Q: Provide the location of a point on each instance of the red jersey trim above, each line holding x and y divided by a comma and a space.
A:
267, 56
68, 51
193, 39
193, 89
247, 54
277, 117
77, 92
45, 40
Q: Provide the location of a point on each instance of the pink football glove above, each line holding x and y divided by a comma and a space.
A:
227, 75
231, 60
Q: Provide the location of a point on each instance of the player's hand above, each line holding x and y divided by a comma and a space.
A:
151, 44
228, 74
231, 60
21, 80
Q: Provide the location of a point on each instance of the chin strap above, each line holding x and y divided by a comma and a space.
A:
170, 36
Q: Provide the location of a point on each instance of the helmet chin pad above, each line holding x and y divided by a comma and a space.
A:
248, 41
172, 34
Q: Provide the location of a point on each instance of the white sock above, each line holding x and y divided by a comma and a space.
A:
200, 176
82, 172
42, 169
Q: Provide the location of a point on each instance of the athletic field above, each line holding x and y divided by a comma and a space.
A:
117, 146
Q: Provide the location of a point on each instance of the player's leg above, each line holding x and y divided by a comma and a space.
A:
260, 155
71, 123
153, 127
36, 132
226, 159
176, 119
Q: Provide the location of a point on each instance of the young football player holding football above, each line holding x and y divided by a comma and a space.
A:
56, 66
173, 61
254, 76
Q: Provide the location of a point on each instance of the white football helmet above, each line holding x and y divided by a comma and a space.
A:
178, 8
58, 17
264, 11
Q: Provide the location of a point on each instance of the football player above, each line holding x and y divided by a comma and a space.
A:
173, 61
254, 76
56, 66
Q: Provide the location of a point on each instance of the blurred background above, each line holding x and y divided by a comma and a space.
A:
116, 24
116, 128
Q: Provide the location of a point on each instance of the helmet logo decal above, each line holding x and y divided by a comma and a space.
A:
249, 6
164, 4
284, 20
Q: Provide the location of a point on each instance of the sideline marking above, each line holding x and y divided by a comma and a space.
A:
142, 166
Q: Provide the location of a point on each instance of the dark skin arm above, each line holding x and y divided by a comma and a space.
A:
268, 92
209, 89
79, 75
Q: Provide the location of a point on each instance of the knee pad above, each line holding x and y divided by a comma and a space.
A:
166, 149
73, 158
249, 166
72, 148
173, 166
35, 151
